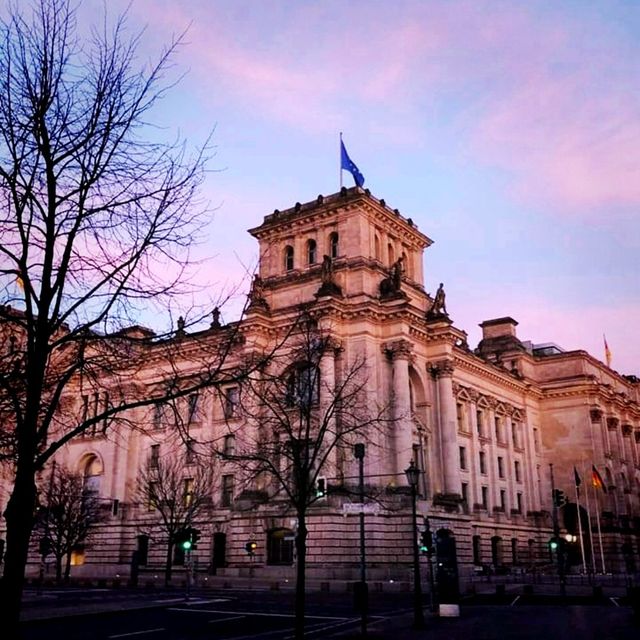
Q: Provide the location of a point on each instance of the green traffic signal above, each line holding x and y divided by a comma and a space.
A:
186, 545
553, 544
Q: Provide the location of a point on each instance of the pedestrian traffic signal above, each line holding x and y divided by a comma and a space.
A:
559, 498
194, 537
251, 547
321, 487
426, 539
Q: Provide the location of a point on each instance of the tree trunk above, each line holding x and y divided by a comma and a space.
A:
301, 560
67, 567
167, 567
59, 569
19, 519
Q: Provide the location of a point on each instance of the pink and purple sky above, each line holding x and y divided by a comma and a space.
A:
508, 131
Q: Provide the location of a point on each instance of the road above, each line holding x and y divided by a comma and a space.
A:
267, 615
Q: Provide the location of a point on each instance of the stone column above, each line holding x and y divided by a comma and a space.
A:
447, 426
326, 400
400, 353
597, 436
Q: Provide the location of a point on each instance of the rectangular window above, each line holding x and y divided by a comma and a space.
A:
500, 467
483, 462
460, 416
152, 496
498, 428
190, 453
160, 415
229, 446
503, 499
516, 470
514, 550
187, 491
194, 408
154, 456
480, 422
515, 435
485, 497
231, 399
463, 457
227, 491
519, 502
465, 493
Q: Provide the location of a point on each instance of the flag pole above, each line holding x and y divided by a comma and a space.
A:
340, 160
599, 532
576, 479
586, 499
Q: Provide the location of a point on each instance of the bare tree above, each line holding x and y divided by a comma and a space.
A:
66, 518
177, 495
96, 222
298, 425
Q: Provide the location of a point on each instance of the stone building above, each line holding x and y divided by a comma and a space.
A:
483, 424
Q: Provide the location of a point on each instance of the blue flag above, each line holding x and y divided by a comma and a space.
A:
346, 164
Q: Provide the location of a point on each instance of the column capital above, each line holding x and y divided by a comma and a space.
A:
595, 414
397, 349
442, 368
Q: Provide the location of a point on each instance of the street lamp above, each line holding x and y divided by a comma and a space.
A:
413, 475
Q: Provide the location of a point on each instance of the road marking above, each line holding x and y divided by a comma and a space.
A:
254, 613
136, 633
216, 620
615, 601
516, 600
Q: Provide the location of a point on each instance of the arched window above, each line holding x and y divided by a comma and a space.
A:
280, 546
334, 248
312, 252
91, 470
391, 254
288, 258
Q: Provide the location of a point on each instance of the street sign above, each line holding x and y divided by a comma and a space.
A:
351, 508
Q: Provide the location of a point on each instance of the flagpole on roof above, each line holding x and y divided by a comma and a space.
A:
340, 160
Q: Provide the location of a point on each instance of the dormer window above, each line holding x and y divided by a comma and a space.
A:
312, 252
333, 245
288, 258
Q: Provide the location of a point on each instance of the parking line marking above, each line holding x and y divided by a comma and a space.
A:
516, 600
225, 619
615, 601
137, 633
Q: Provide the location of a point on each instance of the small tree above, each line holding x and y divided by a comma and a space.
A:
297, 425
66, 517
177, 495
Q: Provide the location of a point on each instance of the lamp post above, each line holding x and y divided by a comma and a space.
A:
363, 594
413, 474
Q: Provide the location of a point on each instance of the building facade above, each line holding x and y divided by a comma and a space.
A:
483, 425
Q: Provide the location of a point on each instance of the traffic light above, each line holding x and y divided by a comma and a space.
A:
426, 539
559, 498
195, 536
554, 544
184, 539
321, 487
251, 547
